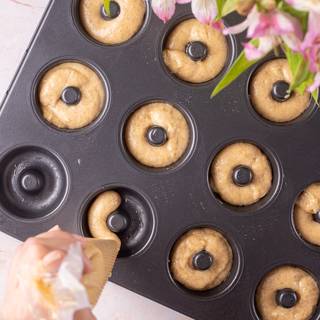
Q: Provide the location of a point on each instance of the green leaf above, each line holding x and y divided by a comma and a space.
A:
228, 7
299, 68
239, 66
315, 96
106, 4
220, 4
302, 87
302, 76
294, 59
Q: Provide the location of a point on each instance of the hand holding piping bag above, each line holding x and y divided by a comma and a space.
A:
39, 279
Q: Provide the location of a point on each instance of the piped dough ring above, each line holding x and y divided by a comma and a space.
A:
190, 244
166, 117
227, 160
261, 87
113, 31
282, 278
71, 74
179, 63
308, 204
101, 208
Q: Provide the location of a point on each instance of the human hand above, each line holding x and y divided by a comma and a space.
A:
43, 253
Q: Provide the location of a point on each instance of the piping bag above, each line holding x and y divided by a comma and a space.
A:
69, 291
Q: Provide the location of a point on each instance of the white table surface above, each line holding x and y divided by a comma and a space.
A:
18, 21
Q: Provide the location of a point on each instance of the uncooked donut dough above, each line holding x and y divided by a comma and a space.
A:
71, 74
179, 63
231, 157
162, 115
105, 204
308, 204
261, 87
192, 243
282, 278
113, 31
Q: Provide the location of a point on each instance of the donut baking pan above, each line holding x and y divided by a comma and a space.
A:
51, 174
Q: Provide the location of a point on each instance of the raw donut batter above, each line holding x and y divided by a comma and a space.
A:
179, 63
307, 205
287, 277
161, 115
105, 204
193, 242
222, 173
63, 77
261, 87
116, 30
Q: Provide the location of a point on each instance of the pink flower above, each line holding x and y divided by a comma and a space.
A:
311, 44
265, 45
204, 10
165, 9
311, 47
270, 29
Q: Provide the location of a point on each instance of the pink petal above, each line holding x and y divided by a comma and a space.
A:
251, 21
266, 44
316, 83
285, 23
237, 28
255, 19
313, 31
183, 1
218, 25
164, 9
292, 41
274, 23
205, 10
259, 25
313, 55
311, 44
254, 53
